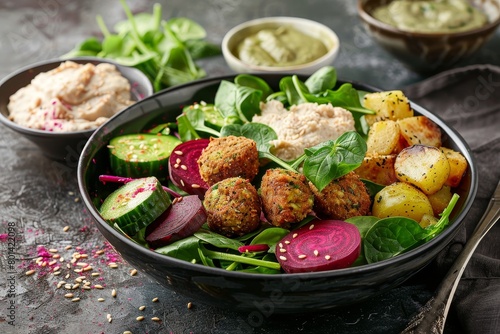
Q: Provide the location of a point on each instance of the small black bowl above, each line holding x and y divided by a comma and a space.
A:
282, 293
58, 145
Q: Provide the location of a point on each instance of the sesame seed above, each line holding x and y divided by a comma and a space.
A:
30, 272
113, 293
66, 229
56, 268
75, 286
98, 286
327, 257
282, 258
108, 316
100, 299
57, 273
99, 252
75, 299
84, 256
82, 264
110, 319
282, 250
67, 276
95, 274
155, 319
87, 268
316, 252
294, 235
68, 247
178, 161
67, 286
86, 287
52, 250
184, 167
142, 308
133, 272
127, 332
155, 299
195, 186
140, 318
287, 242
77, 271
56, 256
302, 256
68, 295
179, 152
311, 227
176, 165
281, 245
189, 305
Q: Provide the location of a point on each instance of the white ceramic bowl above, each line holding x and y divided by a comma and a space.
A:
312, 28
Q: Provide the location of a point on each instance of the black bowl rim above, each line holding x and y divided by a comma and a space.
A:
42, 133
454, 136
368, 18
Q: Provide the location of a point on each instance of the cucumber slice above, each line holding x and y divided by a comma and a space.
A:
135, 205
141, 155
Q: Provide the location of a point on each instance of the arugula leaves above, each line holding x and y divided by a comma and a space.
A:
164, 50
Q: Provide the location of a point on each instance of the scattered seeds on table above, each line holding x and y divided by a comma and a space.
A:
133, 272
66, 228
75, 299
141, 308
155, 319
140, 318
155, 299
113, 293
189, 305
30, 272
100, 299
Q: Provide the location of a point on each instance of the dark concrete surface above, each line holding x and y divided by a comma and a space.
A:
39, 197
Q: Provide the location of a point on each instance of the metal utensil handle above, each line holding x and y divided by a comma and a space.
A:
432, 316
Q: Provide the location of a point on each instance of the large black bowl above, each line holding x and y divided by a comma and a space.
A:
283, 293
62, 146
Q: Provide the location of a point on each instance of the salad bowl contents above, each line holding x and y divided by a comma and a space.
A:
323, 229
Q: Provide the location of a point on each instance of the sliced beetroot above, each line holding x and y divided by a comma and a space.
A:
183, 167
253, 248
185, 216
318, 246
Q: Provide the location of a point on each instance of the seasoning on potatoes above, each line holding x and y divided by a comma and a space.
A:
384, 138
401, 199
425, 167
392, 105
420, 130
378, 168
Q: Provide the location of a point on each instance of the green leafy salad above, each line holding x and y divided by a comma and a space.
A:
167, 203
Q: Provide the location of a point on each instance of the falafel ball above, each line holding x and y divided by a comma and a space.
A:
227, 157
233, 207
342, 198
286, 197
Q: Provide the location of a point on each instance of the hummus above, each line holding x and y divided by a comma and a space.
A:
303, 126
71, 97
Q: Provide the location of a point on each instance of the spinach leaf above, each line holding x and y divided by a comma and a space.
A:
185, 249
218, 240
392, 236
288, 87
347, 97
247, 102
333, 159
323, 79
252, 81
225, 99
270, 236
190, 122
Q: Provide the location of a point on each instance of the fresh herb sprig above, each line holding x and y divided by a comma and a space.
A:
165, 50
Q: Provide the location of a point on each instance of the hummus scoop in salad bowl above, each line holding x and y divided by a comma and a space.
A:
290, 292
58, 103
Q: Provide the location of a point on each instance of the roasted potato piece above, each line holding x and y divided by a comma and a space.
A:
440, 199
378, 169
384, 138
392, 105
420, 130
458, 166
401, 199
425, 167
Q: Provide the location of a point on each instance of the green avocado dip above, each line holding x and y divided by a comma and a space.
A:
283, 46
439, 16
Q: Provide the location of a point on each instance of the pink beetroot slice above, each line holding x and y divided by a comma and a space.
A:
184, 217
318, 246
183, 167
